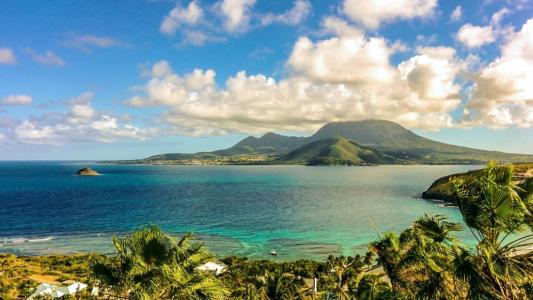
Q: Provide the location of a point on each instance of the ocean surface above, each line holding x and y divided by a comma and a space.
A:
301, 212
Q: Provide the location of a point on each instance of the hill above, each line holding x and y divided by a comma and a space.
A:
335, 151
388, 141
269, 143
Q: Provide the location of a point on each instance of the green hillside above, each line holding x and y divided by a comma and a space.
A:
335, 151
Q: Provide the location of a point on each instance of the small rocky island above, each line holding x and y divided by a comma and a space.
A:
87, 172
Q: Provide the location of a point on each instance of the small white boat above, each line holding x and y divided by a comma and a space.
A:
273, 253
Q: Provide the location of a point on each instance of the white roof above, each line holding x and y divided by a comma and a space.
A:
43, 289
58, 294
211, 266
76, 287
58, 291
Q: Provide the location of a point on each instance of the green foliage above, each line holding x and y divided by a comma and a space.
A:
152, 265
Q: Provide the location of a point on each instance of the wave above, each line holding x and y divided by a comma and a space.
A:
22, 240
447, 205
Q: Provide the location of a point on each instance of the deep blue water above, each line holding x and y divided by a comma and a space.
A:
302, 212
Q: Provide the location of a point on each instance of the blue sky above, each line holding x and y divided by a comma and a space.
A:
117, 79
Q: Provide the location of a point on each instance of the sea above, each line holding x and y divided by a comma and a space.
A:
300, 212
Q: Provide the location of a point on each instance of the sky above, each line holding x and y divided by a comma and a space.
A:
128, 79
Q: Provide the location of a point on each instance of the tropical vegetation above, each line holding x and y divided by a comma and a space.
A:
427, 262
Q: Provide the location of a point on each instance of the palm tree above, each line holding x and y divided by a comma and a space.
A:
367, 286
151, 265
417, 262
277, 285
426, 261
496, 209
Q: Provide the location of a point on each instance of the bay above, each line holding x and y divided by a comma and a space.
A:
301, 212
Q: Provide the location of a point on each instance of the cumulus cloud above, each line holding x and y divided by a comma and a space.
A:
341, 77
475, 36
297, 14
16, 100
7, 56
456, 14
372, 14
503, 91
80, 123
47, 58
192, 14
88, 41
327, 60
236, 14
30, 133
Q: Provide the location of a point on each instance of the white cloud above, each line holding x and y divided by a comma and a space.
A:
88, 41
7, 56
29, 133
372, 13
498, 16
236, 14
334, 79
328, 59
456, 14
199, 38
81, 123
81, 112
430, 75
297, 14
198, 24
503, 92
47, 58
475, 36
16, 100
191, 15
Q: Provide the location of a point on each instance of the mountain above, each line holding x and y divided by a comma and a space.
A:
395, 140
359, 142
335, 151
270, 143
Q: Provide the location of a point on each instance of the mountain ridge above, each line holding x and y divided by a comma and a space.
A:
383, 138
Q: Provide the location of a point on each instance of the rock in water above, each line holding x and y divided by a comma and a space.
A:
87, 172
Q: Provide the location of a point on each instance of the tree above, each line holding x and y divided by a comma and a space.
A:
417, 262
496, 209
277, 285
151, 265
367, 286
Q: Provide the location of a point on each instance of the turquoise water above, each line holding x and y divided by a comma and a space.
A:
301, 212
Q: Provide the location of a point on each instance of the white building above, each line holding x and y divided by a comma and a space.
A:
213, 267
44, 289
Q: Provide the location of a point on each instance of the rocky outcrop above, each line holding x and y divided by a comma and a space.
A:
87, 172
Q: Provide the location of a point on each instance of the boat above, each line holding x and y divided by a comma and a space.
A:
273, 253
